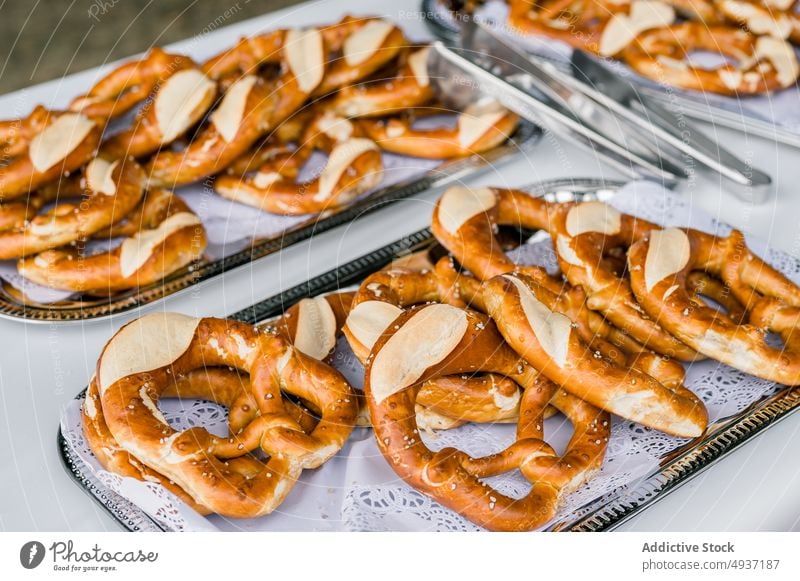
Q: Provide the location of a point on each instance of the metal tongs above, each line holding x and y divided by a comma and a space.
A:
595, 109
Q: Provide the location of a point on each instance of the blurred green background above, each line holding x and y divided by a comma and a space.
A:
45, 39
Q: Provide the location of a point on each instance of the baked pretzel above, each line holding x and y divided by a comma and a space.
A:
528, 317
247, 111
626, 23
583, 237
354, 167
659, 265
446, 402
168, 237
773, 18
130, 84
409, 88
439, 340
354, 48
465, 221
575, 22
112, 191
765, 63
173, 108
479, 128
42, 147
219, 385
132, 374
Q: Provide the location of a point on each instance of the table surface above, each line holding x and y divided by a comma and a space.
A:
43, 366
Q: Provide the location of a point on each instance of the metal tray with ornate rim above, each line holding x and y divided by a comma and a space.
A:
602, 514
733, 115
14, 306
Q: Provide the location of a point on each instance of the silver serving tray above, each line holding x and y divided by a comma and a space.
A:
602, 514
439, 20
14, 306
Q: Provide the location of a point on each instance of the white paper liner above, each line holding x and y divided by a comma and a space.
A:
358, 491
779, 108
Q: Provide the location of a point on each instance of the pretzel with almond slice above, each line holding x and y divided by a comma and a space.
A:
217, 472
440, 340
112, 190
479, 128
43, 147
659, 265
166, 237
529, 318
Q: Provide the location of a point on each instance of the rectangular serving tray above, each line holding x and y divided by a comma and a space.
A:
85, 308
693, 105
604, 513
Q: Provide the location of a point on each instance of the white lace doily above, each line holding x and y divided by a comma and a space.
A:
358, 491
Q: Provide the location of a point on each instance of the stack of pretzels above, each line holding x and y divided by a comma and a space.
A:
247, 120
470, 337
657, 38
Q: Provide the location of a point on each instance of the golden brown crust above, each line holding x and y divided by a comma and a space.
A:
68, 223
528, 317
217, 472
771, 300
69, 269
450, 476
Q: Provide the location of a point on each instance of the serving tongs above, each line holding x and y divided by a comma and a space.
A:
596, 110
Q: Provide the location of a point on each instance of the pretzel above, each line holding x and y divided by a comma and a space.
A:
465, 221
169, 237
173, 108
438, 340
130, 84
583, 235
354, 166
575, 22
365, 45
410, 88
312, 325
765, 63
659, 266
528, 317
772, 18
112, 191
247, 111
132, 374
42, 147
224, 387
479, 128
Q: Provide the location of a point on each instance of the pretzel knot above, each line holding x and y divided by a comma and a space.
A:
660, 266
438, 340
585, 237
42, 147
109, 192
217, 473
763, 63
130, 84
163, 236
